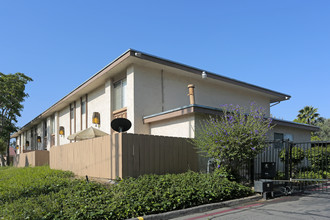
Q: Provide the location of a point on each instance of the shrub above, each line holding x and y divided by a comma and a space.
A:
57, 196
312, 175
319, 157
297, 155
235, 137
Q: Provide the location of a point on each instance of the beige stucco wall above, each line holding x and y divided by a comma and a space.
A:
207, 92
175, 127
64, 120
143, 97
150, 91
298, 135
153, 91
99, 101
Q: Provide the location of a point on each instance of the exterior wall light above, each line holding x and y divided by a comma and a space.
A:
39, 139
204, 75
61, 131
96, 118
27, 143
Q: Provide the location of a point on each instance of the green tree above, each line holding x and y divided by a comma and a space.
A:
12, 90
307, 115
324, 133
235, 137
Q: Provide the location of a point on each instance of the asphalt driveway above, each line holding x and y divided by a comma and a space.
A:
305, 206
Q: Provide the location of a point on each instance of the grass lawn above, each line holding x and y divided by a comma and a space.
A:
42, 193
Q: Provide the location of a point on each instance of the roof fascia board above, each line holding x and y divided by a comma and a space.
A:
50, 110
91, 79
215, 111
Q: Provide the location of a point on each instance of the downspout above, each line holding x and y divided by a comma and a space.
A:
276, 103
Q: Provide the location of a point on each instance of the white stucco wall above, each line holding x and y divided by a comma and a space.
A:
298, 135
48, 132
176, 127
39, 133
143, 95
99, 101
207, 92
63, 120
152, 91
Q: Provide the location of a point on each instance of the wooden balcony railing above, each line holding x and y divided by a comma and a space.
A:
120, 113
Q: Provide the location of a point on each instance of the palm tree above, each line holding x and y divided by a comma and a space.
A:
308, 115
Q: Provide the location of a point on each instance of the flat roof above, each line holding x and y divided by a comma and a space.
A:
189, 109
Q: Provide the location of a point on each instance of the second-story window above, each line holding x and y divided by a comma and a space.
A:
71, 112
52, 125
119, 90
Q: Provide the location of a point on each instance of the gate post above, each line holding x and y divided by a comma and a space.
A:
286, 165
290, 158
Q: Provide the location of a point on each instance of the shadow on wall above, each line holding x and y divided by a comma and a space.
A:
26, 161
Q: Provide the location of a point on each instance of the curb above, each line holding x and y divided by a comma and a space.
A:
197, 209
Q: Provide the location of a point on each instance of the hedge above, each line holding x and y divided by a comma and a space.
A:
42, 193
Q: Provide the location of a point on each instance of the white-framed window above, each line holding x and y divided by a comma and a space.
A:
83, 107
52, 125
119, 94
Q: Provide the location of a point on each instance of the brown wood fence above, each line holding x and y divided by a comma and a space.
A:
124, 155
31, 158
90, 157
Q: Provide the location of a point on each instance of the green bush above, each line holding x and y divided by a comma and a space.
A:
235, 137
319, 157
297, 155
55, 195
312, 175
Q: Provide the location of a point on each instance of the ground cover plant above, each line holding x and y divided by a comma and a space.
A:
42, 193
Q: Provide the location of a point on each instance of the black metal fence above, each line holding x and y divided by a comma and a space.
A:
305, 163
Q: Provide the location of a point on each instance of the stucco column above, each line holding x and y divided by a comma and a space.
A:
107, 116
130, 96
57, 136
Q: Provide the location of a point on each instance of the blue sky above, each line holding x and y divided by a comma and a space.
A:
279, 45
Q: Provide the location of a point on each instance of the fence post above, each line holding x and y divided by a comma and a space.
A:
286, 165
290, 157
252, 170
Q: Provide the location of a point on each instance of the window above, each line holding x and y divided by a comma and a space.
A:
52, 124
73, 118
278, 138
83, 112
45, 128
119, 90
71, 112
83, 107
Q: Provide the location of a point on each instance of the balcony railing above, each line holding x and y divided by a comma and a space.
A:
120, 113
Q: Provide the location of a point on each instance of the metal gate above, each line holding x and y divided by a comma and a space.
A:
294, 166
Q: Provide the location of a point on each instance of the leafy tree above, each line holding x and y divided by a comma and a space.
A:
12, 90
307, 115
235, 137
324, 133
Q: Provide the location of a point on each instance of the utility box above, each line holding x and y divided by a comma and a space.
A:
263, 186
268, 170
